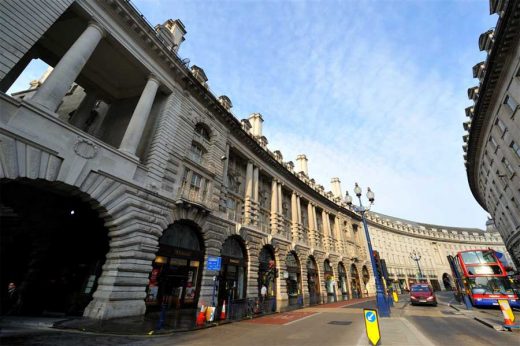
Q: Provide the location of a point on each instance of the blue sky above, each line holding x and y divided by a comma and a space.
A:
371, 91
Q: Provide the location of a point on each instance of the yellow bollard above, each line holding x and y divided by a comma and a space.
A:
394, 295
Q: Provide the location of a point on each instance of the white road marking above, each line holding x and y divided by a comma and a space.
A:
301, 319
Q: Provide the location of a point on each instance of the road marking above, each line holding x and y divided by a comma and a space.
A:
301, 319
420, 336
361, 340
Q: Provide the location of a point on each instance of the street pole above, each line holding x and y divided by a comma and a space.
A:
417, 257
381, 301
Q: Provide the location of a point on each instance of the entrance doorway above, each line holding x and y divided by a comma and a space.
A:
447, 282
232, 278
52, 247
313, 282
175, 277
354, 282
330, 286
293, 279
342, 281
366, 278
267, 273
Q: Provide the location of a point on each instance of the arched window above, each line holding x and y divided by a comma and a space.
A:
202, 131
232, 248
182, 236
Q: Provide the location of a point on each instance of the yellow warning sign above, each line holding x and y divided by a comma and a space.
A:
506, 309
394, 295
372, 326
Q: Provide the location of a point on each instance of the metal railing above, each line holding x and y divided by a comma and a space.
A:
240, 309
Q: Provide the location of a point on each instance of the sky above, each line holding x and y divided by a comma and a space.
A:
372, 92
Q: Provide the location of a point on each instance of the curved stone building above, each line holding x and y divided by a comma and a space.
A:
125, 182
395, 239
492, 143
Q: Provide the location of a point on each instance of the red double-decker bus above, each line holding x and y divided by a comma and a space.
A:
482, 277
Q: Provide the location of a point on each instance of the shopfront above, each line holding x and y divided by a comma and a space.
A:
232, 277
293, 279
177, 269
330, 282
342, 282
267, 272
355, 283
313, 282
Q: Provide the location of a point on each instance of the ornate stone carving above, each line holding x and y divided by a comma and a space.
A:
85, 148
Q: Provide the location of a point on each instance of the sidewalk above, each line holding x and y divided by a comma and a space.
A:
492, 318
140, 325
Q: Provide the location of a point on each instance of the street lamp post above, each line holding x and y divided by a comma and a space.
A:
414, 255
381, 301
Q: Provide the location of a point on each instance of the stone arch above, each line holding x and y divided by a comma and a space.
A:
355, 281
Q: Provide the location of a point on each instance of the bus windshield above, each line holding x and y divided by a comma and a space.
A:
478, 257
490, 285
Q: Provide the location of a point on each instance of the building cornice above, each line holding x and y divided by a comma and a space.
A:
506, 32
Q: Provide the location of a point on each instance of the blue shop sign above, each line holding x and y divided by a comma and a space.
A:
214, 263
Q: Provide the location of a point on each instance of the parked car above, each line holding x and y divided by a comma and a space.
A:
422, 294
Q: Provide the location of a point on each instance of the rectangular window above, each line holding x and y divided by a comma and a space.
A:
511, 103
196, 181
494, 144
516, 148
501, 126
508, 166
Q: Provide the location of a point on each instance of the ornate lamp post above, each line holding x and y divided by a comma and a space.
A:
381, 301
414, 255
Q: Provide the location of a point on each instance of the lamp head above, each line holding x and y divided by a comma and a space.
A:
357, 190
370, 195
348, 199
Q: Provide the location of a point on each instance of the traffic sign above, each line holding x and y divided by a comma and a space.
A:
214, 263
372, 326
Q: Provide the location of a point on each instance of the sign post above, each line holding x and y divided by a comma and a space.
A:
214, 263
372, 326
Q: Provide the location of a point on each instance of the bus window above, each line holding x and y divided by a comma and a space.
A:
470, 257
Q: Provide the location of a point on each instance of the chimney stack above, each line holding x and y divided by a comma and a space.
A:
336, 187
256, 121
171, 33
301, 164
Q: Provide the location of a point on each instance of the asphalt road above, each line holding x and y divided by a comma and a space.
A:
409, 325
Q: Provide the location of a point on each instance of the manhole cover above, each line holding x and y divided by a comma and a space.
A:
340, 323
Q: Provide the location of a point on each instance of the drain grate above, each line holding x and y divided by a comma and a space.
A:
340, 323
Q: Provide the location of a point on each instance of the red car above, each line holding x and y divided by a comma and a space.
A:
422, 294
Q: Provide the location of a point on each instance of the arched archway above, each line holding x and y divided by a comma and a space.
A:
366, 279
267, 274
447, 281
177, 268
330, 282
355, 282
342, 281
232, 277
293, 279
313, 281
53, 244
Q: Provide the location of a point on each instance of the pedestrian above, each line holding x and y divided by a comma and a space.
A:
12, 299
263, 293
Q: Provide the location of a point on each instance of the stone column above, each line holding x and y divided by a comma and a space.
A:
311, 225
249, 193
256, 184
135, 128
83, 113
326, 229
274, 206
294, 216
226, 167
50, 94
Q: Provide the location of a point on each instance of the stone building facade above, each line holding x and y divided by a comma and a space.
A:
492, 142
395, 239
114, 202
